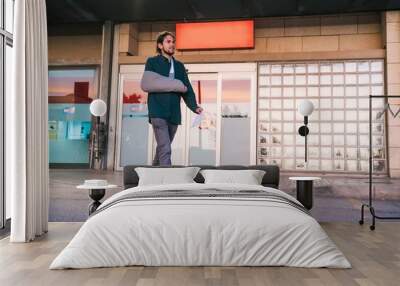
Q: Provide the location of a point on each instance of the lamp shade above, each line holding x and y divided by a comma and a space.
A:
306, 107
98, 107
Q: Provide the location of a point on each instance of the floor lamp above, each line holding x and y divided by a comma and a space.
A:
305, 108
97, 108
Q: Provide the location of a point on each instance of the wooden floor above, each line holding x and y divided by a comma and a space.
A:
375, 257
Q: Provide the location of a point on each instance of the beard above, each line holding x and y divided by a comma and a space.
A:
168, 52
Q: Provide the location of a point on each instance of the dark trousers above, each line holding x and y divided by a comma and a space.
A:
164, 133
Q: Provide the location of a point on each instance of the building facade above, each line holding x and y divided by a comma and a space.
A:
251, 95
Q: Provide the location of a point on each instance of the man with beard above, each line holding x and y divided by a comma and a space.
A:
164, 107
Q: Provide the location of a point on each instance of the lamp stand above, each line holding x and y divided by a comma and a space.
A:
305, 148
305, 138
304, 131
97, 145
97, 154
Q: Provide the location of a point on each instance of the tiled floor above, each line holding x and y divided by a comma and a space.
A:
336, 198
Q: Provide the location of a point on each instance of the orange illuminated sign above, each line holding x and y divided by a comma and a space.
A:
215, 35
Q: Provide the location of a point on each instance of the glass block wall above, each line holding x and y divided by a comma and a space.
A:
339, 128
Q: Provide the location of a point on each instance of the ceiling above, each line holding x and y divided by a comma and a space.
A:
84, 11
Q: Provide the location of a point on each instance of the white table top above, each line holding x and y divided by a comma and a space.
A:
304, 178
86, 187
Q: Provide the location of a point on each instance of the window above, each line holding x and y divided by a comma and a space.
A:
6, 44
71, 91
338, 139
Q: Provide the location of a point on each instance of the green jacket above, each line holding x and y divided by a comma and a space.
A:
167, 105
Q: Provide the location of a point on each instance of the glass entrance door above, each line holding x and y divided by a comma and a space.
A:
135, 132
195, 144
226, 133
202, 138
236, 119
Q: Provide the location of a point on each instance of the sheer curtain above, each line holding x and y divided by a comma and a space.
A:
26, 124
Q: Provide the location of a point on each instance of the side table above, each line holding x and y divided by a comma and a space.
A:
96, 193
304, 190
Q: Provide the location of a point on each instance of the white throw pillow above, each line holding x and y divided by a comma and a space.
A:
163, 176
249, 177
